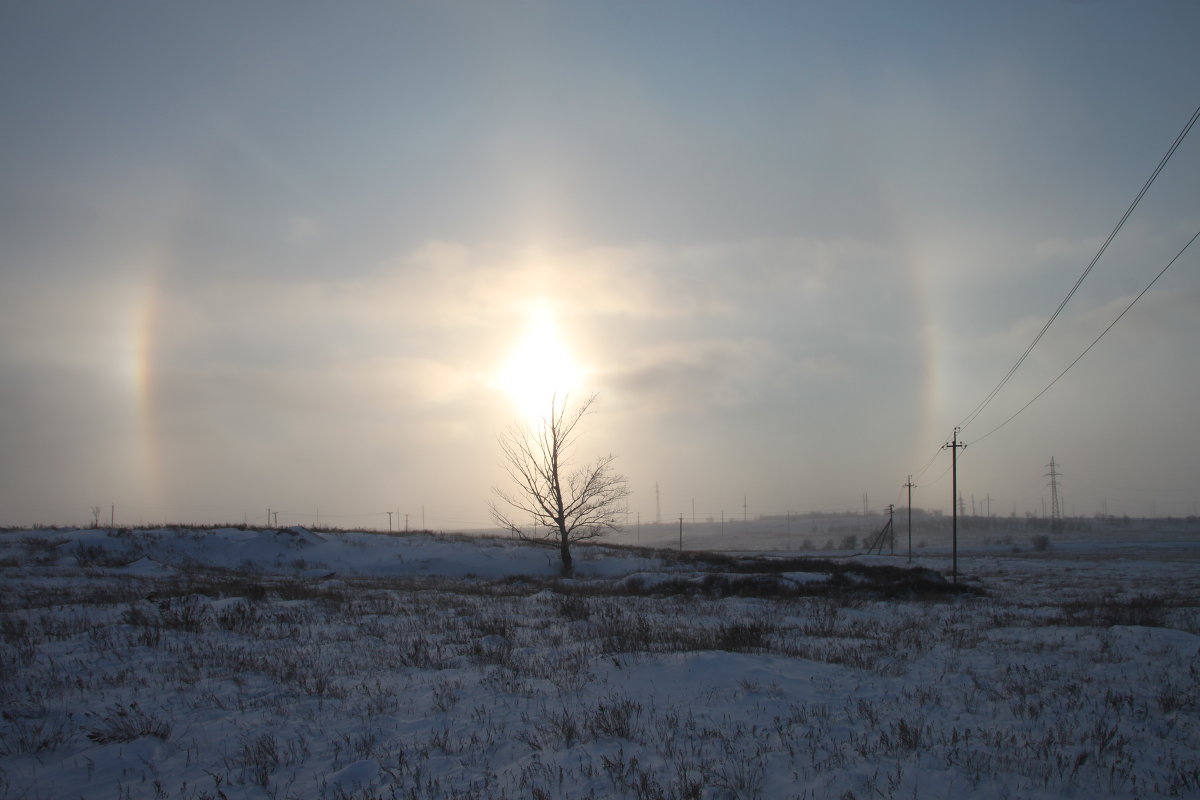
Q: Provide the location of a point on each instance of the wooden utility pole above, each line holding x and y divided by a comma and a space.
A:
891, 530
955, 445
909, 485
681, 533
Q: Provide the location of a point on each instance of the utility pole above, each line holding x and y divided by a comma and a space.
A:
891, 530
112, 516
275, 518
406, 523
1055, 508
639, 528
389, 521
681, 533
955, 445
988, 500
864, 504
909, 486
268, 516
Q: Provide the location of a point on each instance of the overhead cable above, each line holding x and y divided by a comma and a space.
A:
928, 463
1094, 341
1116, 229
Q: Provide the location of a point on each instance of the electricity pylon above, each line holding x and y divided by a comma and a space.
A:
1055, 507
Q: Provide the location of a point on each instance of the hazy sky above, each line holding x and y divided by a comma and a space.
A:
298, 255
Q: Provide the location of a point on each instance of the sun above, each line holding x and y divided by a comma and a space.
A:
540, 367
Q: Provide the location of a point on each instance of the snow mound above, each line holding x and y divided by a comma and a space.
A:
357, 776
147, 567
805, 577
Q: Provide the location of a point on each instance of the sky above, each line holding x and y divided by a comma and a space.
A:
316, 257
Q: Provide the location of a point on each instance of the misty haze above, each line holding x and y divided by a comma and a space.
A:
586, 400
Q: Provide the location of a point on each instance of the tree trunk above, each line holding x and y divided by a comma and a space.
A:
564, 550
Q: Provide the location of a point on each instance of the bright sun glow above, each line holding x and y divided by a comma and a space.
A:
539, 367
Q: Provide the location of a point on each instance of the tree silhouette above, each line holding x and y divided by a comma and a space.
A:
563, 504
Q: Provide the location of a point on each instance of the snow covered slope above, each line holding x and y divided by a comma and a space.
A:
297, 664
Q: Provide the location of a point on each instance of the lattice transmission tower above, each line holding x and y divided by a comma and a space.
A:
1055, 506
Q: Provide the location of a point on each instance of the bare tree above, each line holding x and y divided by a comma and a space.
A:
562, 504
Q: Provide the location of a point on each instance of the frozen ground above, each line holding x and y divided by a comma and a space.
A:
292, 664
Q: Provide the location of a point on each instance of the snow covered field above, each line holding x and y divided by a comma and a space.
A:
183, 663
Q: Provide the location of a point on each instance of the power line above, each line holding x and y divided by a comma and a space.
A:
1116, 229
929, 463
1094, 341
938, 479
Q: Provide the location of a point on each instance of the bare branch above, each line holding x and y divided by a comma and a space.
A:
562, 505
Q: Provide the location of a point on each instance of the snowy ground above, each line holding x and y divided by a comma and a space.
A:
293, 664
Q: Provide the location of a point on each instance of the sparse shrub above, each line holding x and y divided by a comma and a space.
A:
446, 695
33, 734
492, 625
615, 717
619, 632
574, 608
1171, 697
242, 617
127, 723
493, 650
1040, 543
743, 636
257, 758
319, 683
189, 614
15, 630
1148, 611
41, 551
